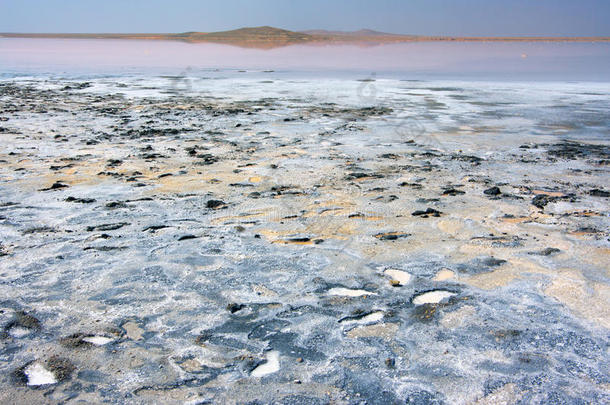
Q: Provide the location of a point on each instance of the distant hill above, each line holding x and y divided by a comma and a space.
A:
359, 33
253, 36
269, 37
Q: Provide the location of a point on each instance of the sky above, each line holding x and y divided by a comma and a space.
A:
423, 17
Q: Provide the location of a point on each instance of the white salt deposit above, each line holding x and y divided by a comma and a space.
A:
402, 277
18, 332
432, 297
271, 366
97, 340
38, 375
370, 318
346, 292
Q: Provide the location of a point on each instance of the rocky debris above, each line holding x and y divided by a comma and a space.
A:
452, 192
412, 185
572, 150
504, 241
107, 227
391, 235
80, 200
233, 307
154, 228
186, 237
546, 252
542, 200
77, 86
206, 159
116, 204
39, 229
62, 368
427, 213
599, 193
492, 191
215, 204
363, 176
55, 186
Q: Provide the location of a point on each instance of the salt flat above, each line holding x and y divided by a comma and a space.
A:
258, 238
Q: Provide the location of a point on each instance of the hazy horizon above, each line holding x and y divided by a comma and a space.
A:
418, 17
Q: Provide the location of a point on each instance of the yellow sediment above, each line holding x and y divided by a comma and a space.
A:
588, 299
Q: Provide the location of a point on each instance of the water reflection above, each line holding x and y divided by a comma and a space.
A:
465, 60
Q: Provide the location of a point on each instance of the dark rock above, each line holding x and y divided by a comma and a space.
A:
492, 191
39, 229
298, 240
233, 307
55, 186
154, 228
61, 367
413, 185
392, 235
187, 237
453, 192
105, 248
541, 200
360, 175
599, 193
215, 204
107, 227
546, 252
80, 200
116, 204
575, 150
428, 212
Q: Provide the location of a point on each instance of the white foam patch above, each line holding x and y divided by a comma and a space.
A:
38, 375
346, 292
402, 277
97, 340
432, 297
271, 366
370, 318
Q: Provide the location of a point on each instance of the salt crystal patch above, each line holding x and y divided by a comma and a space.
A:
402, 277
432, 297
370, 318
38, 375
18, 332
346, 292
271, 366
97, 340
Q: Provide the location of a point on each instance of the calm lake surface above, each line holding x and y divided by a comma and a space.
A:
427, 60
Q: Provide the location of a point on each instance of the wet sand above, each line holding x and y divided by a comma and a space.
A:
436, 247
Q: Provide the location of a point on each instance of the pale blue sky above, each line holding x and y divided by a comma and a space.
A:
426, 17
